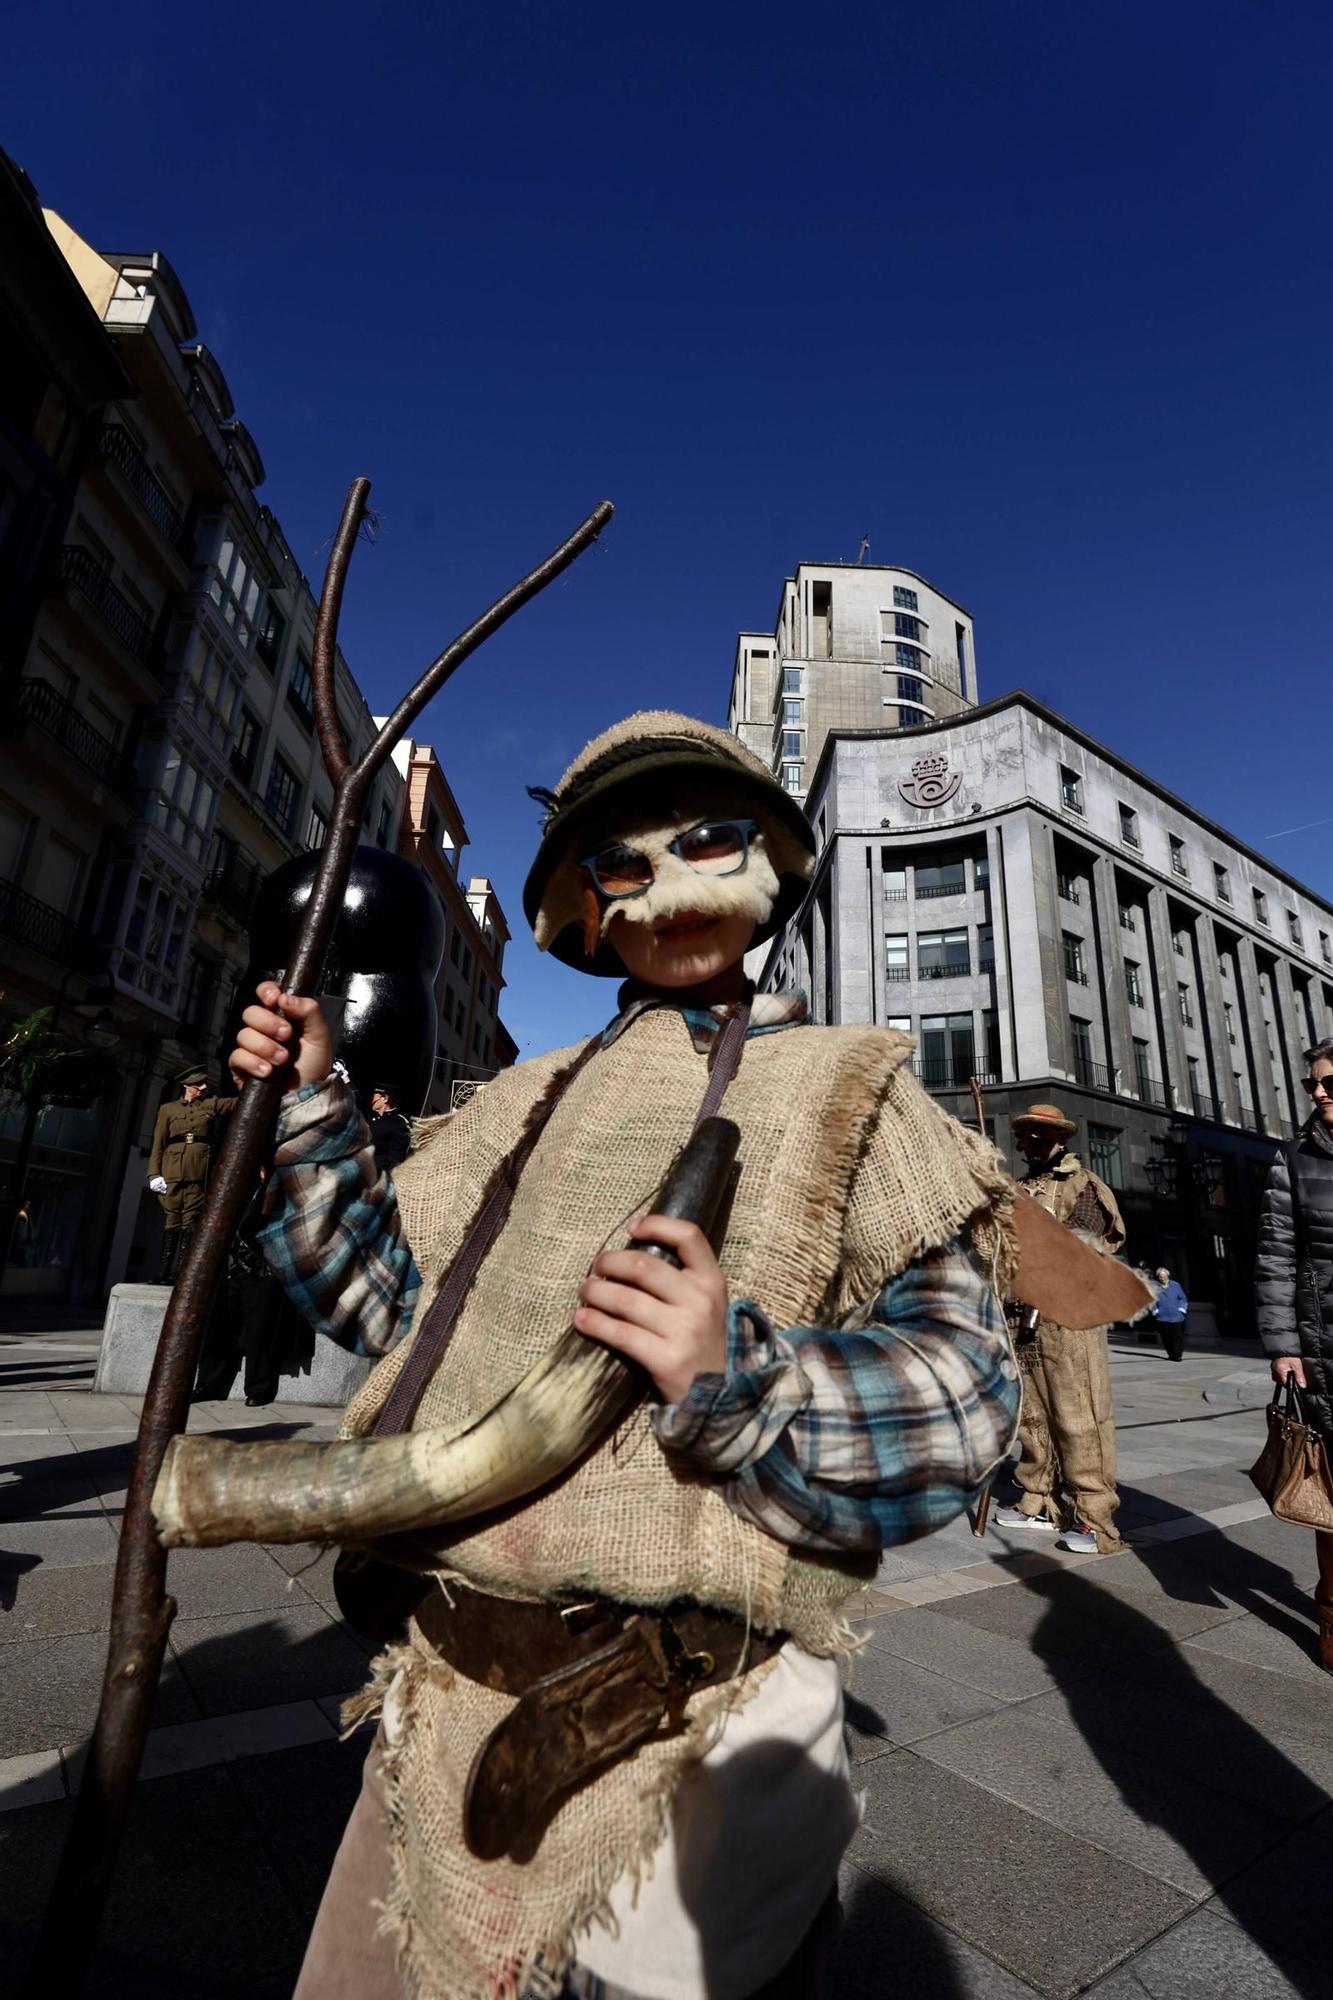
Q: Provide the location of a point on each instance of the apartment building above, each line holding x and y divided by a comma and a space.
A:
1042, 916
853, 646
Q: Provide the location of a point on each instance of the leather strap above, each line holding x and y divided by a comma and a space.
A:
437, 1328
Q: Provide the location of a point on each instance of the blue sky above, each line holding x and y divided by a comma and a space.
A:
1035, 295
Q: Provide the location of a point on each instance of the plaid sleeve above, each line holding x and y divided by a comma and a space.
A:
859, 1438
331, 1230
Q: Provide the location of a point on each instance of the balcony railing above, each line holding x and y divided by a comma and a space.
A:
895, 895
268, 646
1134, 996
42, 929
897, 972
1205, 1106
233, 886
963, 970
83, 570
949, 1076
1094, 1075
1076, 975
1150, 1091
37, 701
115, 441
923, 891
1070, 893
986, 963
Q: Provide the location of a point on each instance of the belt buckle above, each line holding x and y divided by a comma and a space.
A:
684, 1668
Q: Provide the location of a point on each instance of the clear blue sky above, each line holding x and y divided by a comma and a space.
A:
1035, 295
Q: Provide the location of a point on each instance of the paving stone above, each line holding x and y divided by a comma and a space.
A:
1205, 1959
886, 1946
50, 1495
301, 1800
311, 1567
959, 1652
891, 1701
1069, 1618
61, 1544
1291, 1715
241, 1577
239, 1661
1281, 1902
196, 1906
48, 1602
220, 1739
30, 1780
1170, 1826
18, 1451
1007, 1882
1265, 1643
51, 1689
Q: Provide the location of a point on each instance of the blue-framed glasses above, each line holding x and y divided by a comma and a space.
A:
714, 847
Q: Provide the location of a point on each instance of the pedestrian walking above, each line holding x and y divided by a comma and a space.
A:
1067, 1429
836, 1378
1294, 1285
186, 1136
1170, 1312
390, 1131
253, 1323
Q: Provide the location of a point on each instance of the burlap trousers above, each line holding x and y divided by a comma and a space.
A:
346, 1958
1067, 1431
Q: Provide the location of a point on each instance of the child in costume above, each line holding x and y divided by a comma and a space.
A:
835, 1379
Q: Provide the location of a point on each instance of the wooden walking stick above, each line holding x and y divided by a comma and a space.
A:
141, 1611
982, 1515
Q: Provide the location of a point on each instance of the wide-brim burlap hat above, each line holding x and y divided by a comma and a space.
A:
643, 756
1046, 1118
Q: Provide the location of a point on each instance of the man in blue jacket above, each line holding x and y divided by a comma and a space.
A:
1170, 1312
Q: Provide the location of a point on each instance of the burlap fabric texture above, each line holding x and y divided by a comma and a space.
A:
848, 1171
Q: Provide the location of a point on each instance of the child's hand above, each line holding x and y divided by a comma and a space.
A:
673, 1322
269, 1040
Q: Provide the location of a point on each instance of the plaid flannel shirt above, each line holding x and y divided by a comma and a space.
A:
852, 1437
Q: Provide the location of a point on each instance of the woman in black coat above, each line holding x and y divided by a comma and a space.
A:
1294, 1284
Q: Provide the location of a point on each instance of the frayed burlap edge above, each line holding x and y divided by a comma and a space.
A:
537, 1967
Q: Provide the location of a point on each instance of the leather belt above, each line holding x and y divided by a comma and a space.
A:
592, 1680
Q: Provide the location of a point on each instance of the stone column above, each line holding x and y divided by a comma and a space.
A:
1111, 960
1266, 1107
996, 852
1212, 992
1162, 975
1040, 1012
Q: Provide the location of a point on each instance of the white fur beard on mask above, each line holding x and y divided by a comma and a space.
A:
677, 890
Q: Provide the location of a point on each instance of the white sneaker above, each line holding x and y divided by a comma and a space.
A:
1013, 1517
1079, 1541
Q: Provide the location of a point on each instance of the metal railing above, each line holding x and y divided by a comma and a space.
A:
267, 646
41, 928
949, 1076
1070, 893
925, 891
1076, 975
233, 886
1093, 1075
895, 895
84, 571
961, 971
115, 441
1134, 995
35, 700
1149, 1090
1205, 1106
897, 972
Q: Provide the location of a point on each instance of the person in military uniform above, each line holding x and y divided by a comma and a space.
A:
186, 1139
1067, 1428
390, 1131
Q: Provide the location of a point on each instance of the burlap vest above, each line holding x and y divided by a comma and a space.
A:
848, 1171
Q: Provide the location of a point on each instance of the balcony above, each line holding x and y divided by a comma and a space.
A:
1134, 996
85, 573
986, 963
924, 891
902, 972
896, 895
948, 1076
115, 443
1093, 1075
1150, 1091
1070, 893
268, 645
43, 929
1076, 975
233, 886
37, 701
1205, 1106
963, 970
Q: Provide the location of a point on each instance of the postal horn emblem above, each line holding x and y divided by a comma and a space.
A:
930, 783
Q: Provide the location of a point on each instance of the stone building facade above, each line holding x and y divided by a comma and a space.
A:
853, 646
1040, 915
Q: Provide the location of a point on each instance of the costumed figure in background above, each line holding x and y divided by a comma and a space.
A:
390, 1130
1068, 1424
252, 1322
632, 1671
186, 1137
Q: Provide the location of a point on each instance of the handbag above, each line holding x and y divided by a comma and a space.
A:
1291, 1472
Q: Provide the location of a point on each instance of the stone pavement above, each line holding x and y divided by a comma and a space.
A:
1105, 1775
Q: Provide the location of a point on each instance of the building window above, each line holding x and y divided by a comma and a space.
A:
910, 688
246, 747
895, 957
154, 938
1129, 826
907, 628
1221, 883
213, 692
986, 948
791, 743
1073, 952
1179, 861
385, 824
791, 680
301, 688
904, 599
1261, 908
1070, 891
1080, 1038
895, 885
270, 642
1325, 948
943, 955
791, 777
981, 871
902, 1022
1104, 1154
1133, 983
990, 1028
1071, 790
1294, 930
1143, 1075
316, 827
1229, 1017
907, 656
939, 878
791, 712
1185, 1005
1180, 944
284, 788
184, 804
947, 1050
234, 588
1128, 921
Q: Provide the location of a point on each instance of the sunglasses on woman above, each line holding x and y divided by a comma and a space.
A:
714, 847
1314, 1084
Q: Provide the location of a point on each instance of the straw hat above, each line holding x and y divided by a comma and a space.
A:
1046, 1118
